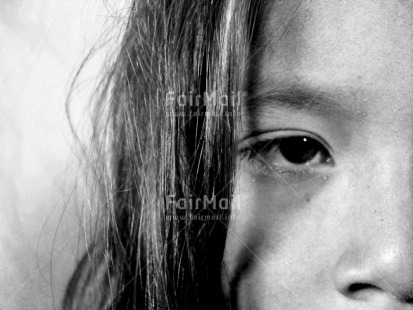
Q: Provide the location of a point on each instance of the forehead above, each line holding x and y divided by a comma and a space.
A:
363, 46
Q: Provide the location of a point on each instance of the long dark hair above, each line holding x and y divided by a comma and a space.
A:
164, 133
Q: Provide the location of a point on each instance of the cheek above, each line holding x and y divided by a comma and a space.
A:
266, 207
276, 226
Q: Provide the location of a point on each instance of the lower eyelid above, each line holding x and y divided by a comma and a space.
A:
266, 168
279, 174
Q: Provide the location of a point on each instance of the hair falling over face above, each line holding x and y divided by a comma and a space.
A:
149, 145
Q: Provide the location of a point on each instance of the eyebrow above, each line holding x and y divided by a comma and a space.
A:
291, 96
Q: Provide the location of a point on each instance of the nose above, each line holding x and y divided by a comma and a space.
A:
383, 269
377, 261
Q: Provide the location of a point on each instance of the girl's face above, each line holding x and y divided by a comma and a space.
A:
323, 205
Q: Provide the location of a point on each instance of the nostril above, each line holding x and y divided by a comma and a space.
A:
365, 291
361, 291
357, 287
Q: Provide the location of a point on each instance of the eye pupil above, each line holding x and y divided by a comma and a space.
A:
299, 150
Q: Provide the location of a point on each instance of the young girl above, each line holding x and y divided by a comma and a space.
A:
255, 155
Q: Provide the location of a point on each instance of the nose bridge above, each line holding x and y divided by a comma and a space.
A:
387, 178
385, 188
391, 191
381, 251
391, 174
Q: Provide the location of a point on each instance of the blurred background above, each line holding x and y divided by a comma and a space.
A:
44, 210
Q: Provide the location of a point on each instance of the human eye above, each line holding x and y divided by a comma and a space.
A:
293, 154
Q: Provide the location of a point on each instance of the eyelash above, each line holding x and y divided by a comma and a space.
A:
255, 152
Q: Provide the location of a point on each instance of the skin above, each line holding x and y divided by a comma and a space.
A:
337, 233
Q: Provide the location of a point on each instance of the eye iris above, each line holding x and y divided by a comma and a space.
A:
299, 150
